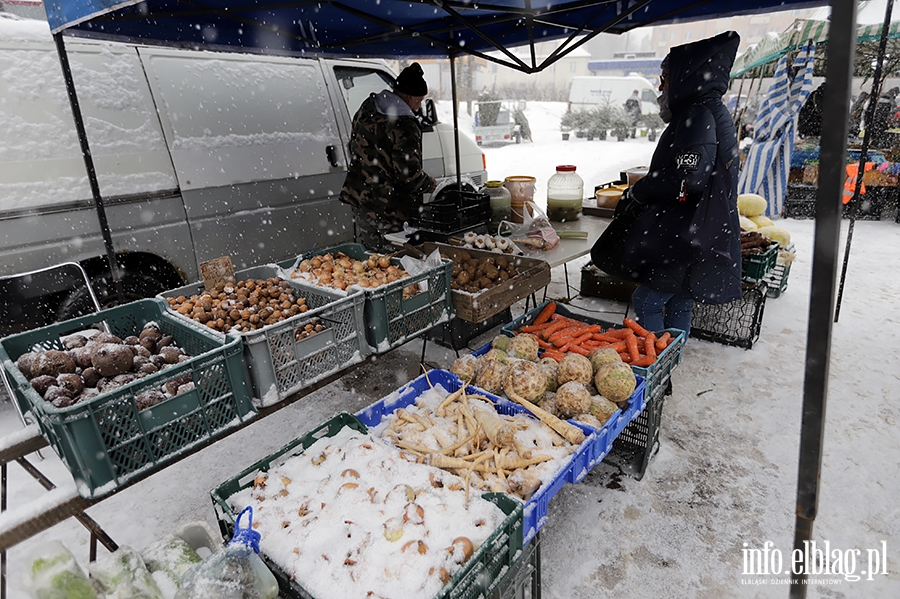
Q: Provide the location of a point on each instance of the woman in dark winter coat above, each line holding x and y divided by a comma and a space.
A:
685, 244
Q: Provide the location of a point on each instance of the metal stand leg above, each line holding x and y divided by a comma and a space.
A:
3, 509
97, 533
566, 270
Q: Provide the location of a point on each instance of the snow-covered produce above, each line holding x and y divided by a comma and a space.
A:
572, 398
491, 374
615, 381
100, 362
603, 355
779, 234
524, 346
574, 367
465, 367
526, 380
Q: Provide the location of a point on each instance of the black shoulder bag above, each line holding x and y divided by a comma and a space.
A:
608, 250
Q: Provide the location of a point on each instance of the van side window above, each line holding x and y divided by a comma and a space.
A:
358, 84
647, 95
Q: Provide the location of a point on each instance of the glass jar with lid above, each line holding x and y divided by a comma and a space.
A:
501, 205
565, 191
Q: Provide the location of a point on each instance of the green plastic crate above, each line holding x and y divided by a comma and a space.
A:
277, 363
754, 267
107, 441
479, 577
777, 279
390, 319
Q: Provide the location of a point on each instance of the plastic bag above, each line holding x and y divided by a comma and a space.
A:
123, 575
236, 572
168, 559
535, 232
417, 266
56, 575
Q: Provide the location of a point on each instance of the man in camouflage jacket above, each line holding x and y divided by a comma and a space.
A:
386, 180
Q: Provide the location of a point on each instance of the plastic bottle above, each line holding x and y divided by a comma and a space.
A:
501, 206
565, 191
236, 572
521, 190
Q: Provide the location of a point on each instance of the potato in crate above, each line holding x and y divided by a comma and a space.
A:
121, 392
398, 305
343, 514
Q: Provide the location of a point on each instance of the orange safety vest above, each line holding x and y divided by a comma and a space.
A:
850, 181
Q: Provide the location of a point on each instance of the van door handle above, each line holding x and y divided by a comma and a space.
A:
331, 153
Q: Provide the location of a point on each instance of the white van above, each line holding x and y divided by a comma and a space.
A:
198, 155
586, 93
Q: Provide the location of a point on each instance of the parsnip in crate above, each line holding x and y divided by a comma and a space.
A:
464, 434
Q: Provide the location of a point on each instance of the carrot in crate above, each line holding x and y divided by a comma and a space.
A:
634, 326
545, 314
663, 341
650, 346
631, 343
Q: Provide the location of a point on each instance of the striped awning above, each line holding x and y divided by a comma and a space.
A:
765, 172
773, 47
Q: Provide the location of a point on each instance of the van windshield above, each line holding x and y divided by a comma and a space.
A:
358, 84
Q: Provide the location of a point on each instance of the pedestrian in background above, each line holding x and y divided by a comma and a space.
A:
633, 108
386, 178
685, 242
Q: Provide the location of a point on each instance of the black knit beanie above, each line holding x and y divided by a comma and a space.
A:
412, 81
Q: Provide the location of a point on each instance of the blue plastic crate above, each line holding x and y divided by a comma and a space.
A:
535, 511
655, 375
604, 436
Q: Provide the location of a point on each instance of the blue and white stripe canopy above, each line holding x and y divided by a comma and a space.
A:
765, 172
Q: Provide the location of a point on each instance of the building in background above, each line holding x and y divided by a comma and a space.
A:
27, 9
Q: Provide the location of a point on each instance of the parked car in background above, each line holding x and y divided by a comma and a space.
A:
497, 121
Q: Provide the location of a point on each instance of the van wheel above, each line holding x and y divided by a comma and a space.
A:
134, 286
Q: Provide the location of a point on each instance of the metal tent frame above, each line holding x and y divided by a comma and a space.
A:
439, 28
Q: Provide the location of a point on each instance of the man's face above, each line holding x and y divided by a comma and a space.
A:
664, 81
415, 102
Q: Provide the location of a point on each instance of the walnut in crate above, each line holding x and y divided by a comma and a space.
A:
244, 306
473, 274
309, 329
339, 271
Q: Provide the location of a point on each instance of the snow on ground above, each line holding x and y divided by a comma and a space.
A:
725, 477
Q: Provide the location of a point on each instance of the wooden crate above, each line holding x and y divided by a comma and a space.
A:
533, 275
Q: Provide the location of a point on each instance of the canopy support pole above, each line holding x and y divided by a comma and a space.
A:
453, 96
89, 165
864, 150
824, 274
